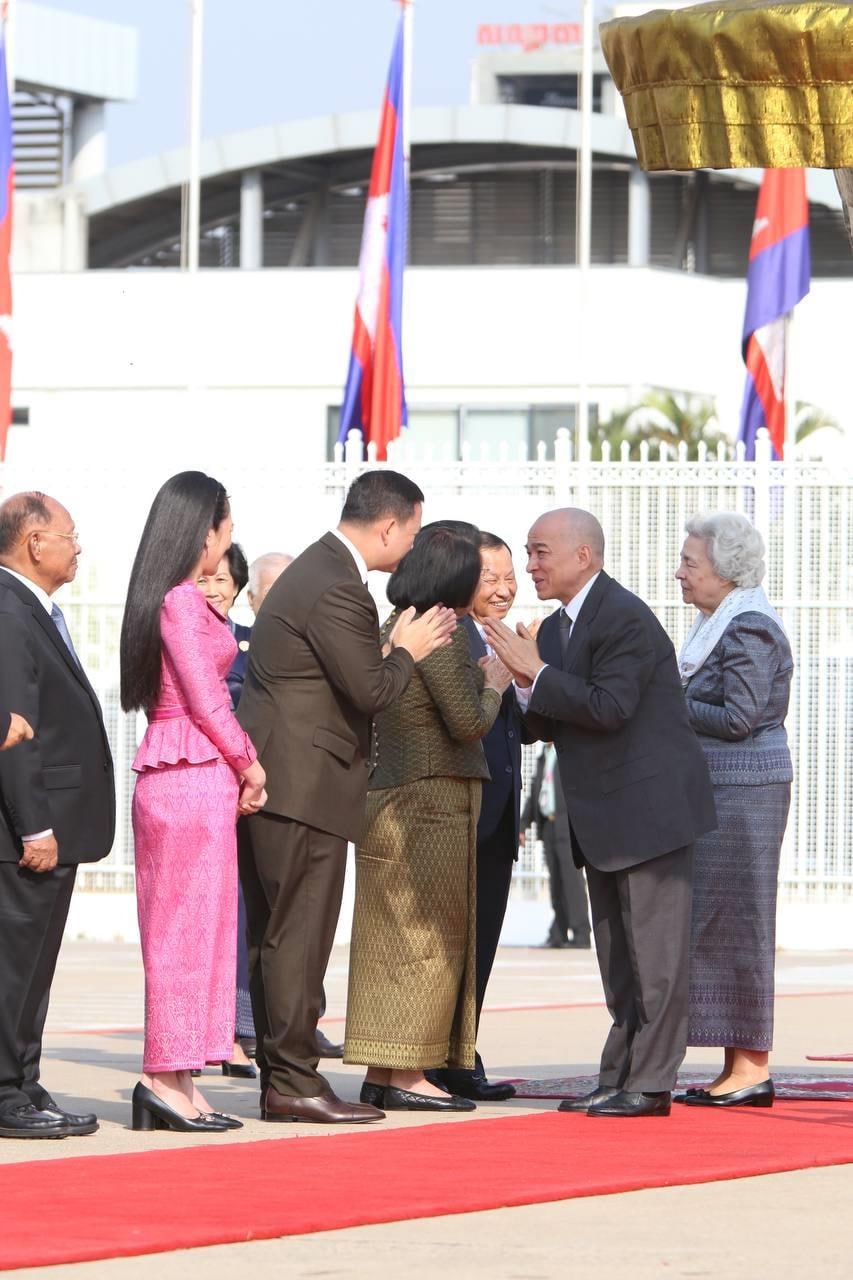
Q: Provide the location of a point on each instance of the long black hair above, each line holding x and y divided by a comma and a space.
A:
443, 567
186, 507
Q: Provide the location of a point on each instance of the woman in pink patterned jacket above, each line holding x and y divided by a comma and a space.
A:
197, 769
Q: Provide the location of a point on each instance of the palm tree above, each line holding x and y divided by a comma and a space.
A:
663, 417
809, 418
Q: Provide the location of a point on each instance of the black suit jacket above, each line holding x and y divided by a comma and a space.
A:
237, 671
634, 777
63, 778
502, 745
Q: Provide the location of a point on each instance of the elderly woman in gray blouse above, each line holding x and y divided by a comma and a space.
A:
736, 668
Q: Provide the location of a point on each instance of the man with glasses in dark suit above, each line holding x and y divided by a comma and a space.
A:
57, 798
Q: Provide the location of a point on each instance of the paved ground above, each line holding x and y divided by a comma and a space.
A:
546, 1019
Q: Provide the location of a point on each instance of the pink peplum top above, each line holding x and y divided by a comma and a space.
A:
192, 720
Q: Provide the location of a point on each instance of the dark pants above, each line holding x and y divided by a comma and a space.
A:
641, 921
495, 857
293, 879
33, 911
568, 891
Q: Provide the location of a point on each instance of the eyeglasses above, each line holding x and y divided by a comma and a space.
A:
73, 536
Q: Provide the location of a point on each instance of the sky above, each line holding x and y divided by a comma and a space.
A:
272, 60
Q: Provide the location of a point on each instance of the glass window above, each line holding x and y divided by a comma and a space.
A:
434, 431
494, 427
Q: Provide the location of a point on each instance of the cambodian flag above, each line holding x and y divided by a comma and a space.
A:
778, 278
374, 397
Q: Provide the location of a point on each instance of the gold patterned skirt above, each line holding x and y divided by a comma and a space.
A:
411, 1000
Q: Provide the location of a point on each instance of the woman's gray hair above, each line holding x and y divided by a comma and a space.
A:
734, 546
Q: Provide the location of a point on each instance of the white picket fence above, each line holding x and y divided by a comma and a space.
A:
803, 509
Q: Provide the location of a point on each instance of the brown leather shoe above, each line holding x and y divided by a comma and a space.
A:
326, 1108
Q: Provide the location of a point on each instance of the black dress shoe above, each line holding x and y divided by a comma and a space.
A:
29, 1122
240, 1070
555, 944
372, 1094
627, 1105
757, 1095
404, 1100
587, 1100
580, 944
325, 1047
151, 1112
79, 1126
471, 1085
688, 1093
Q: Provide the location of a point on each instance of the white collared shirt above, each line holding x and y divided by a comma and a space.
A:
571, 609
44, 600
39, 592
360, 562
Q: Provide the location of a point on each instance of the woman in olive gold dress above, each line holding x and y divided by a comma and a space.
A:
411, 1000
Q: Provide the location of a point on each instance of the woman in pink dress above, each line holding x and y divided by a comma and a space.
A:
197, 769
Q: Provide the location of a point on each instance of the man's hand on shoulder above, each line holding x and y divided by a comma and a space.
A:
19, 731
422, 636
41, 854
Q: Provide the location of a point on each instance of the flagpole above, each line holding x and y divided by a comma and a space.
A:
194, 161
584, 230
408, 7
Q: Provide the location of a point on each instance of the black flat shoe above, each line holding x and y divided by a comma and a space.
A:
757, 1095
470, 1084
240, 1070
151, 1112
79, 1126
29, 1121
372, 1094
628, 1105
403, 1100
587, 1100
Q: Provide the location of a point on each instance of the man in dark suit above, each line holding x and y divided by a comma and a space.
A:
604, 687
546, 811
316, 677
57, 799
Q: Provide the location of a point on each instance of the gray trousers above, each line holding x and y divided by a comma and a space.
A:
641, 922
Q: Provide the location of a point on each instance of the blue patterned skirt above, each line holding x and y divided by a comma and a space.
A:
733, 940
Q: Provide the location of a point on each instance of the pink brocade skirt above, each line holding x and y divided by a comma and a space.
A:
184, 830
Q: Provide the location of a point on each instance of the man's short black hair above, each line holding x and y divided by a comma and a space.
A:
443, 567
380, 495
491, 542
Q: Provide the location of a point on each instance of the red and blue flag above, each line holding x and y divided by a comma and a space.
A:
374, 397
778, 278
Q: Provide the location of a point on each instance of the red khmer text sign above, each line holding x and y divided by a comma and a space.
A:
530, 35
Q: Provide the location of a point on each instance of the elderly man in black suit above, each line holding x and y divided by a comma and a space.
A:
57, 799
603, 684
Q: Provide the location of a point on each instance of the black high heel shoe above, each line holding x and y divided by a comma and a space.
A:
151, 1112
240, 1070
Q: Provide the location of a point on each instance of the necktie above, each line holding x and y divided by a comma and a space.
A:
62, 627
565, 632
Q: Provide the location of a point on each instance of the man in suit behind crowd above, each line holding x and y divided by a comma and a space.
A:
603, 685
546, 810
57, 799
316, 677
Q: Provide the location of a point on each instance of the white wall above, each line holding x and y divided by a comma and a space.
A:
114, 361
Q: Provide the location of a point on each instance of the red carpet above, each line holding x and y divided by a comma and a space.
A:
75, 1209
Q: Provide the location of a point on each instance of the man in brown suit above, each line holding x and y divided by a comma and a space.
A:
316, 677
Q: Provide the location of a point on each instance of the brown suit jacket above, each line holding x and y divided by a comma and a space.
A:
316, 678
